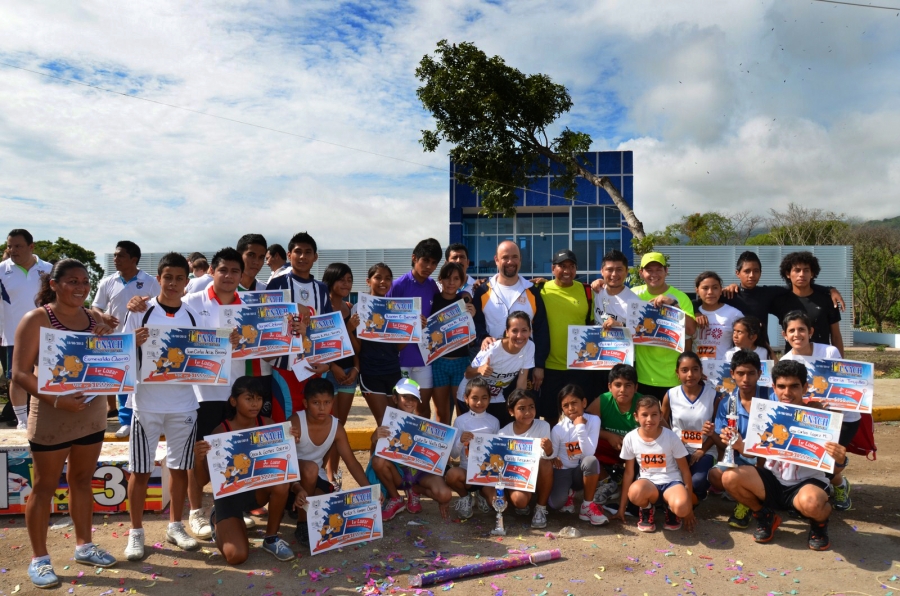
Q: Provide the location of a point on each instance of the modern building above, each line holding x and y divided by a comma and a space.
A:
546, 222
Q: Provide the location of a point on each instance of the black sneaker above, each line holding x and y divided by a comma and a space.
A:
740, 519
767, 522
645, 520
818, 535
302, 534
672, 521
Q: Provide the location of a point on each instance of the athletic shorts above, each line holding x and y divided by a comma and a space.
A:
662, 488
420, 374
91, 439
448, 372
379, 384
210, 414
7, 361
146, 428
779, 496
236, 505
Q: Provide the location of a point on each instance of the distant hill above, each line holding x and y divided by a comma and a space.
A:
893, 222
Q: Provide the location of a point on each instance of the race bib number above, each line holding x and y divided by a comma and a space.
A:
653, 461
706, 352
694, 438
573, 449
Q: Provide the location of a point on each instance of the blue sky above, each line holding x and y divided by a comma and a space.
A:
728, 105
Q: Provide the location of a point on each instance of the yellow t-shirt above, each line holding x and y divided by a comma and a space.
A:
564, 306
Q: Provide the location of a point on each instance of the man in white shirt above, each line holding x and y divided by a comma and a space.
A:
111, 305
276, 259
458, 253
20, 281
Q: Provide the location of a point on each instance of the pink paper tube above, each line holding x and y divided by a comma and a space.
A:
442, 575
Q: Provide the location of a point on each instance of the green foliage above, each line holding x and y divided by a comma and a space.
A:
881, 348
876, 271
64, 249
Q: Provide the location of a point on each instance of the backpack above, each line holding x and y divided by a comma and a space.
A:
863, 442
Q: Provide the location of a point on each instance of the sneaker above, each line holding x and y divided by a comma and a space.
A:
212, 523
818, 536
338, 480
523, 512
262, 511
672, 522
123, 431
278, 549
135, 549
645, 520
767, 522
22, 426
301, 533
540, 517
481, 502
592, 512
569, 507
607, 491
95, 556
464, 507
249, 522
176, 534
393, 506
41, 574
740, 519
842, 496
200, 525
412, 504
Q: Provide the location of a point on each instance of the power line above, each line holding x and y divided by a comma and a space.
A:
897, 8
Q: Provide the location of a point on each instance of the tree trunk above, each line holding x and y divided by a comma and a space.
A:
634, 224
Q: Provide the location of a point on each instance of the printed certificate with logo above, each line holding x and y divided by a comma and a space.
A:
265, 329
446, 330
71, 361
326, 339
511, 460
344, 518
718, 372
186, 355
416, 442
266, 297
662, 327
792, 434
244, 460
591, 347
389, 320
841, 384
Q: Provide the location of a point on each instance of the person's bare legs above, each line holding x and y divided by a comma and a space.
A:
178, 485
82, 464
341, 410
48, 466
137, 496
423, 408
442, 405
378, 403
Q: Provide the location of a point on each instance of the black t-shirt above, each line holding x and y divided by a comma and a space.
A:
439, 303
819, 307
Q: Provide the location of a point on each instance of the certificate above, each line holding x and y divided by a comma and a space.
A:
389, 320
186, 355
718, 372
266, 297
446, 330
326, 339
512, 461
591, 347
416, 442
265, 329
244, 460
344, 518
662, 326
71, 361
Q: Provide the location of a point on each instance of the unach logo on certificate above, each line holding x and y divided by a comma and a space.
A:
105, 345
274, 435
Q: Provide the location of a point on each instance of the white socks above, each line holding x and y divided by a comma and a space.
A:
21, 414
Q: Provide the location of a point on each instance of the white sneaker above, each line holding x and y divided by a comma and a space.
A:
123, 431
481, 503
200, 525
135, 549
464, 507
592, 512
540, 517
607, 491
176, 534
249, 522
22, 426
569, 506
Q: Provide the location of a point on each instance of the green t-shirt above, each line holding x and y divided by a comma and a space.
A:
656, 366
564, 306
612, 419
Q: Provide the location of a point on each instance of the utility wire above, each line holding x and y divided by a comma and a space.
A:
897, 8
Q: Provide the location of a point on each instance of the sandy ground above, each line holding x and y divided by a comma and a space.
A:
615, 559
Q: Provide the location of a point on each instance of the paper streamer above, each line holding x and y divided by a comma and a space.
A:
442, 575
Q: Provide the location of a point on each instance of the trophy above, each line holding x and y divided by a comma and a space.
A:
728, 458
499, 504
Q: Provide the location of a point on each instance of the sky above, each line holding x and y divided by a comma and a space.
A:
729, 105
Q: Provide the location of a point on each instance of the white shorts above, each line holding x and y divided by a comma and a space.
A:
146, 428
419, 374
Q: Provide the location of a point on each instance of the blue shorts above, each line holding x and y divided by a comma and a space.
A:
340, 388
448, 372
662, 488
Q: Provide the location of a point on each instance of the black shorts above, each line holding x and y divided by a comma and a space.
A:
236, 505
210, 414
779, 496
323, 485
379, 384
91, 439
848, 431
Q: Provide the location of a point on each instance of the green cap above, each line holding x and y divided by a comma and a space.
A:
654, 257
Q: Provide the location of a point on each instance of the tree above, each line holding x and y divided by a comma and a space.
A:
64, 249
876, 270
804, 226
497, 117
704, 229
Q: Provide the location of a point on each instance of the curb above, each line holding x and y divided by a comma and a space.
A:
885, 413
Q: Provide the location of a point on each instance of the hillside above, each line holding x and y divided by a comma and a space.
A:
893, 222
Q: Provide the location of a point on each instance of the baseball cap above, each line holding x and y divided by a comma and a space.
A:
408, 387
564, 255
654, 257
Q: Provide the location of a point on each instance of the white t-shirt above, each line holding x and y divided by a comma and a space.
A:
114, 292
506, 368
574, 441
155, 397
688, 416
761, 352
714, 340
204, 303
473, 423
657, 459
540, 429
822, 352
198, 283
614, 307
280, 271
18, 289
503, 301
790, 474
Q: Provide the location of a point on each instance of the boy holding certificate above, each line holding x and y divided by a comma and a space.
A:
782, 485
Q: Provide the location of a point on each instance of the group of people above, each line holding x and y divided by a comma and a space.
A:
630, 438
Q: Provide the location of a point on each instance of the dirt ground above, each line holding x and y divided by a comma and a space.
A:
887, 363
614, 559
